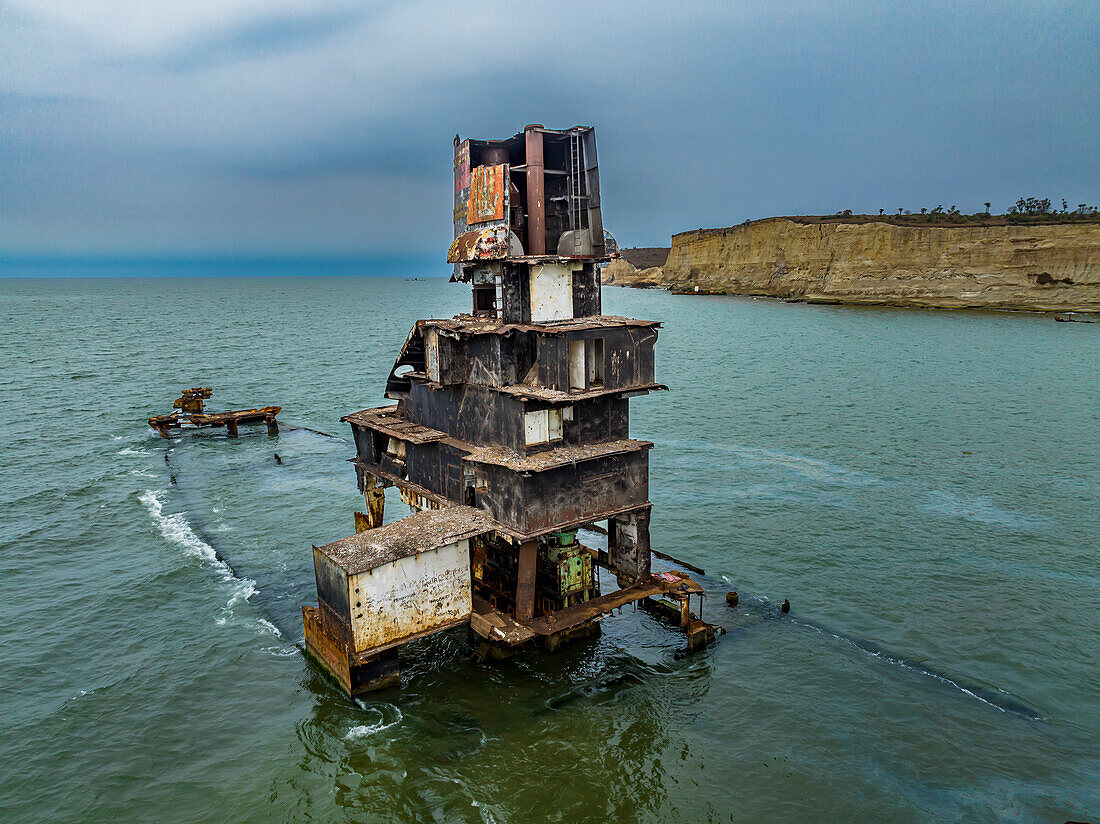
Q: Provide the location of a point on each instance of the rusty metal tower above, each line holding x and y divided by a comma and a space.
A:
508, 434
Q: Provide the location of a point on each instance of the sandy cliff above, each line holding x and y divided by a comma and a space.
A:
1038, 267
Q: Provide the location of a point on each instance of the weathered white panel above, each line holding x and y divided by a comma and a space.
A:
551, 292
420, 593
536, 427
553, 424
431, 350
576, 365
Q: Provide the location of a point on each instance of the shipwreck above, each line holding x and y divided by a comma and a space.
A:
189, 411
508, 432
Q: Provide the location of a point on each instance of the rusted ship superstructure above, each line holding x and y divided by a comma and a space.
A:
509, 433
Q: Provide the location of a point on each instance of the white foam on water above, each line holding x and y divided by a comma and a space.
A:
281, 652
486, 815
176, 529
270, 627
141, 453
363, 730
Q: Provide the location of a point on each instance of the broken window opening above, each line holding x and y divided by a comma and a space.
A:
395, 448
485, 300
576, 365
586, 364
594, 352
542, 426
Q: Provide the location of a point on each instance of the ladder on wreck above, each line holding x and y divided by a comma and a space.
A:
576, 169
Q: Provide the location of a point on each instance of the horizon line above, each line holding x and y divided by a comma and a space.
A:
212, 264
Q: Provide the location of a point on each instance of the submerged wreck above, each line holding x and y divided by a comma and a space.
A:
189, 411
508, 434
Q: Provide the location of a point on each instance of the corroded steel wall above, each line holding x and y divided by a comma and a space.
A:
416, 594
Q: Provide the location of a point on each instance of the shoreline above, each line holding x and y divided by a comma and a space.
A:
865, 302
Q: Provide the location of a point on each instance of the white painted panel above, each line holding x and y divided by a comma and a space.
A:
536, 427
420, 593
431, 349
576, 364
553, 424
551, 292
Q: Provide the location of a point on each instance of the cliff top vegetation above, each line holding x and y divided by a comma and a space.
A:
1027, 211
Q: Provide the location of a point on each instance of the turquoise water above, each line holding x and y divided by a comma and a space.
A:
922, 486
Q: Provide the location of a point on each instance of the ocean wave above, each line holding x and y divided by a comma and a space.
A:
280, 652
363, 730
176, 529
270, 627
126, 450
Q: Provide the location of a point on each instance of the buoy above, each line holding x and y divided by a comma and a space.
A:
732, 598
786, 606
278, 460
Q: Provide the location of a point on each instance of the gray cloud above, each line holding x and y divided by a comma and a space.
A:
265, 36
298, 128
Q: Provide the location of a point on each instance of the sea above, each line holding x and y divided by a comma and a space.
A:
922, 486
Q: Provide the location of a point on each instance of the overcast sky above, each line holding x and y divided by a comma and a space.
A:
317, 127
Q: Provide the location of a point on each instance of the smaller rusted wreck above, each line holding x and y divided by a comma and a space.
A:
190, 412
507, 436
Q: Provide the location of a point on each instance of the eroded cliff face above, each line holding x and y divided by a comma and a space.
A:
1046, 267
620, 272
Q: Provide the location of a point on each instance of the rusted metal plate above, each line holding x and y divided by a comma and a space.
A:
566, 455
326, 651
462, 166
527, 392
480, 244
674, 583
494, 625
374, 493
266, 413
467, 325
385, 419
574, 616
401, 581
525, 585
411, 597
488, 185
406, 538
